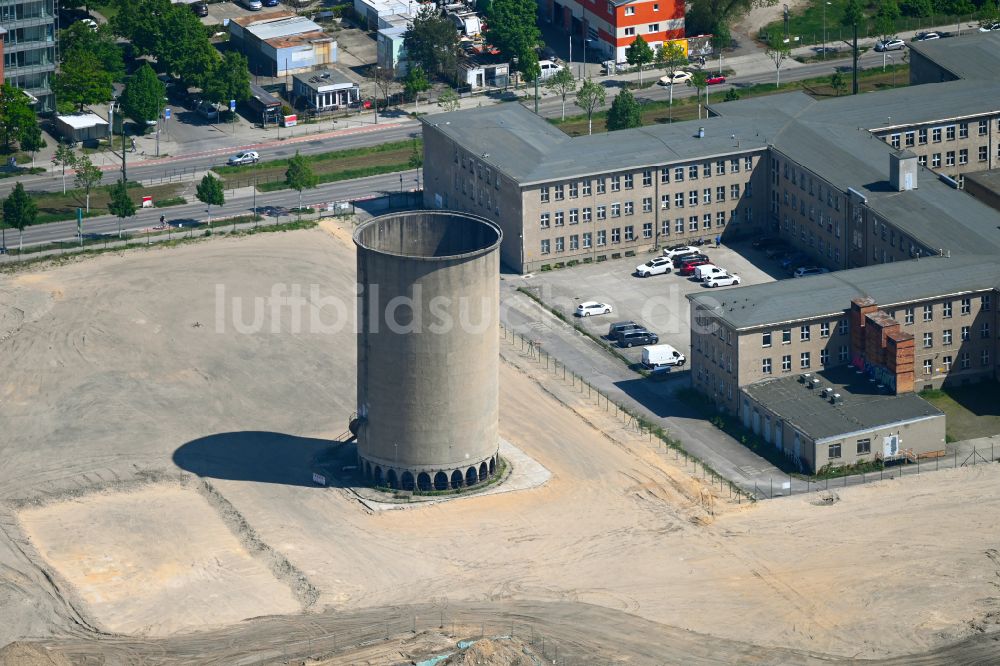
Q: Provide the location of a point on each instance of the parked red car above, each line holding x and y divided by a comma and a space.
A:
688, 267
715, 80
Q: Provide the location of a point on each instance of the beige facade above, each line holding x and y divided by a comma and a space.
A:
951, 146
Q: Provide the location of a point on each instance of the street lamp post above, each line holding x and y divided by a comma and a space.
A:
823, 54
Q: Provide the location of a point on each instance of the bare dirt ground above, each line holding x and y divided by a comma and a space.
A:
119, 379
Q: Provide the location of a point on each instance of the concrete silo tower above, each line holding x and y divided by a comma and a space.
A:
428, 311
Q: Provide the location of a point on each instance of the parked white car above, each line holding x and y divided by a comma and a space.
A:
806, 271
548, 68
722, 280
894, 44
678, 250
245, 157
675, 78
588, 308
658, 266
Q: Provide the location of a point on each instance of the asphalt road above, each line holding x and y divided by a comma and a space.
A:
181, 217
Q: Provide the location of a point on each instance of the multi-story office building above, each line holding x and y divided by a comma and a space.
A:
612, 25
29, 53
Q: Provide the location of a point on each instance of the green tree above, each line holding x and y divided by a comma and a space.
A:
16, 114
625, 112
299, 176
837, 83
670, 55
699, 81
185, 48
432, 42
64, 157
142, 23
19, 211
210, 193
714, 17
416, 157
415, 82
448, 99
121, 205
918, 8
886, 14
32, 140
589, 97
732, 95
562, 83
80, 38
853, 16
639, 55
778, 51
142, 98
83, 81
231, 80
512, 27
87, 176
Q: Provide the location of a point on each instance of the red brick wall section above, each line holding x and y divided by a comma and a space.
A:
900, 359
860, 307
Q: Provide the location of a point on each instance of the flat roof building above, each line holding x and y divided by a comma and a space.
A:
324, 90
282, 43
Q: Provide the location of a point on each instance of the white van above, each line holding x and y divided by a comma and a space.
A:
706, 271
659, 356
548, 68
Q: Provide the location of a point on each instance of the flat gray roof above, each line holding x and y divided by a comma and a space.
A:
974, 55
530, 150
283, 27
891, 284
863, 406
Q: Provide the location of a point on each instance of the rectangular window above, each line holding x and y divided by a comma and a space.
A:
628, 181
720, 193
545, 220
908, 316
616, 235
544, 192
946, 310
748, 162
629, 32
665, 201
985, 303
734, 165
559, 218
574, 242
693, 198
927, 366
693, 223
786, 336
706, 221
786, 363
824, 329
842, 327
928, 312
629, 11
936, 135
692, 172
706, 195
946, 336
647, 177
935, 160
922, 136
629, 233
665, 175
894, 141
965, 334
654, 27
843, 353
586, 188
602, 237
720, 218
706, 170
574, 190
966, 306
586, 240
984, 126
602, 212
824, 357
647, 204
560, 192
574, 216
984, 358
984, 330
765, 366
678, 200
804, 332
804, 360
864, 446
911, 138
984, 153
949, 158
963, 156
928, 340
950, 132
647, 229
765, 339
963, 130
587, 214
616, 183
545, 246
616, 210
678, 174
946, 363
833, 451
559, 244
602, 186
734, 191
922, 160
965, 360
629, 208
679, 225
665, 227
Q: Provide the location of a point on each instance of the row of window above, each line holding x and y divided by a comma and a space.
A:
601, 184
966, 333
630, 31
963, 157
965, 308
805, 360
864, 448
630, 9
720, 217
919, 136
805, 333
964, 359
602, 238
628, 207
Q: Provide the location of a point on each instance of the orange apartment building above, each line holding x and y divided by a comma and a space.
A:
614, 24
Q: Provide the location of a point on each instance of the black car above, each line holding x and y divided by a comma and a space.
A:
619, 327
681, 259
199, 8
638, 336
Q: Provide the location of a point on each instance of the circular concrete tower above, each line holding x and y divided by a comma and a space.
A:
428, 306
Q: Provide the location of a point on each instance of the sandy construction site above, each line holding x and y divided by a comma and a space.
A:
155, 498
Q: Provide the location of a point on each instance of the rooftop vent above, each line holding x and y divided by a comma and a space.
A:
814, 384
825, 392
836, 399
805, 377
903, 171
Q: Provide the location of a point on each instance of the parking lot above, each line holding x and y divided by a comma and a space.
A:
656, 302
